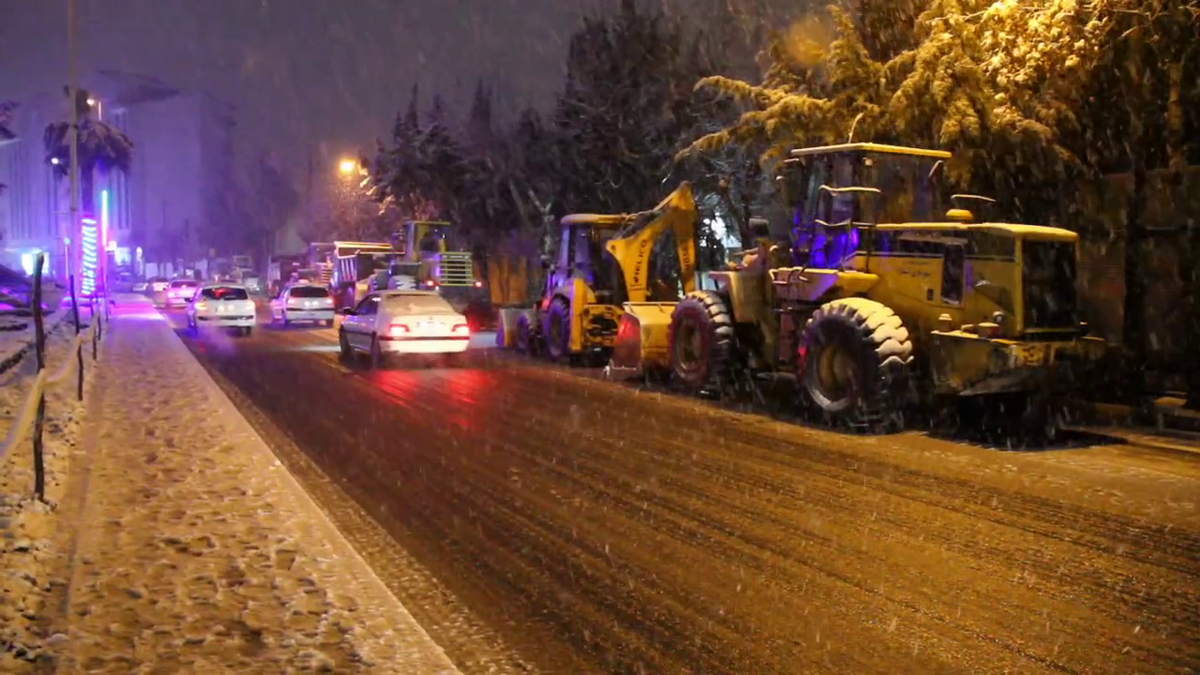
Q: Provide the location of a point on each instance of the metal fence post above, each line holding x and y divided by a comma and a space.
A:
39, 420
96, 331
78, 348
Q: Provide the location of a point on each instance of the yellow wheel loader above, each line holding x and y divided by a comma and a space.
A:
882, 295
602, 270
424, 260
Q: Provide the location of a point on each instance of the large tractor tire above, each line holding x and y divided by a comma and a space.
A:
558, 330
701, 341
856, 360
523, 340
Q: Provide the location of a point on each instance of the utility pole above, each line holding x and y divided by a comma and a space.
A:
308, 189
72, 97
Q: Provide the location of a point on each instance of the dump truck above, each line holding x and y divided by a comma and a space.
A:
353, 268
881, 297
603, 269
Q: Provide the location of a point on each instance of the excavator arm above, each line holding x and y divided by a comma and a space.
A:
632, 244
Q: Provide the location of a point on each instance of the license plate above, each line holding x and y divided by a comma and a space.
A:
427, 325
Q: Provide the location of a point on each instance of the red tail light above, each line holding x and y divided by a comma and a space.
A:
429, 283
627, 327
397, 330
461, 328
478, 284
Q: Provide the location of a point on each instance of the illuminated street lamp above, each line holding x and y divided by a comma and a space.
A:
348, 167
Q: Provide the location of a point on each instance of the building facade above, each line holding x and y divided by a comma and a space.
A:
163, 212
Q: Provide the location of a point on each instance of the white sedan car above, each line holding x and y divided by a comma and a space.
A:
222, 306
303, 302
180, 292
402, 322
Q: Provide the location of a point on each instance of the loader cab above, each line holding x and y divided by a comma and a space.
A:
837, 194
420, 239
582, 253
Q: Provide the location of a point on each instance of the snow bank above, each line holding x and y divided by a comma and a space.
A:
199, 552
16, 332
26, 525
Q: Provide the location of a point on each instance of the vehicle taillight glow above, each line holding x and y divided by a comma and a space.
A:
397, 330
478, 284
461, 328
292, 301
201, 306
429, 283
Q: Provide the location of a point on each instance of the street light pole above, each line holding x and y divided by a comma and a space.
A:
74, 135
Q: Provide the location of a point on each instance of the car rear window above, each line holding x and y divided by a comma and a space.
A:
184, 284
309, 292
225, 293
419, 302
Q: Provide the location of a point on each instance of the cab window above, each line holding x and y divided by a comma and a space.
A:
369, 305
308, 292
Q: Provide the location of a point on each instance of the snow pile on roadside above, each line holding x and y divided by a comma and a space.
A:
200, 553
16, 331
26, 525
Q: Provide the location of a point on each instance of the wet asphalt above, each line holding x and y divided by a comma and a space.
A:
537, 519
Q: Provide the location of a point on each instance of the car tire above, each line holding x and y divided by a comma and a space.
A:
375, 358
247, 331
345, 351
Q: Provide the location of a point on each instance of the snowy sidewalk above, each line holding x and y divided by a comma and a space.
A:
199, 552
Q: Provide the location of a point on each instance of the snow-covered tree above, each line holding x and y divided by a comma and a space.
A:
823, 85
1130, 69
626, 105
101, 147
276, 201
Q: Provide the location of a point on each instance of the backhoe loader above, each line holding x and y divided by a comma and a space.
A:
603, 269
881, 298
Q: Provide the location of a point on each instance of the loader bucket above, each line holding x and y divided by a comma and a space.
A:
641, 346
506, 327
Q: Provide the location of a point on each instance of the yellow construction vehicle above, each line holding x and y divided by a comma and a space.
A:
425, 260
603, 269
882, 296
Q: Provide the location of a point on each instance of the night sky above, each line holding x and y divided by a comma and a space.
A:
308, 71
